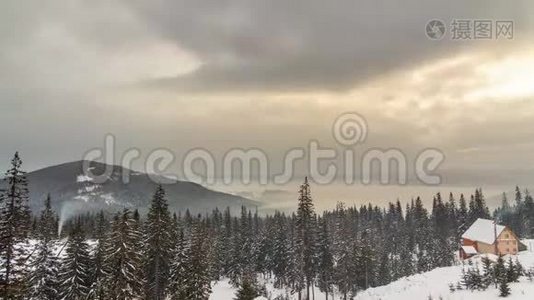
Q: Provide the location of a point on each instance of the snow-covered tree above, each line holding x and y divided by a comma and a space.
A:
15, 224
504, 289
158, 245
122, 259
42, 281
246, 291
198, 281
98, 288
178, 281
325, 261
75, 270
305, 237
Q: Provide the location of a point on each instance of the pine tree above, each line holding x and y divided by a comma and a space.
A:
75, 271
519, 268
179, 269
518, 197
452, 225
97, 290
305, 237
157, 247
295, 276
529, 215
244, 246
198, 282
344, 271
342, 245
499, 270
513, 271
122, 260
326, 261
480, 209
406, 261
442, 253
462, 215
281, 251
15, 225
504, 289
42, 282
174, 232
247, 291
235, 270
225, 243
487, 277
518, 224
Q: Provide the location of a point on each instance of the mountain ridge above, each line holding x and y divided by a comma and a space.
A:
74, 191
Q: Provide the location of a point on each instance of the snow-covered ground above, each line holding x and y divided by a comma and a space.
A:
434, 284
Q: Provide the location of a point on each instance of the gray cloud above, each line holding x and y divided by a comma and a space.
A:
62, 90
309, 45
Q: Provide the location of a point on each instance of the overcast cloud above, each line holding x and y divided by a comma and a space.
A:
268, 74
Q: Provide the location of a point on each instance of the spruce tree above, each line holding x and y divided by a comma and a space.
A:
326, 261
244, 246
158, 245
487, 277
246, 291
42, 282
75, 270
122, 259
462, 215
504, 289
442, 228
225, 243
177, 289
281, 251
198, 281
306, 237
15, 225
499, 270
97, 290
344, 268
528, 216
518, 224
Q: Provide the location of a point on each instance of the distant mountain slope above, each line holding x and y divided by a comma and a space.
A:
72, 192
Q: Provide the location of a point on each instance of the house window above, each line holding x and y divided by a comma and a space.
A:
506, 235
507, 242
515, 250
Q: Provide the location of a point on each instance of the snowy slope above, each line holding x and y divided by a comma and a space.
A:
435, 284
421, 286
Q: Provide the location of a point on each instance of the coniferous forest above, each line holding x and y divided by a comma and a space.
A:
178, 255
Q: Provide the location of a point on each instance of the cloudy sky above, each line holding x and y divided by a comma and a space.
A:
267, 74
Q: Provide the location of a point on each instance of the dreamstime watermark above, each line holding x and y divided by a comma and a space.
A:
349, 130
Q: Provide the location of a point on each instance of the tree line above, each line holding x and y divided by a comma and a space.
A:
174, 255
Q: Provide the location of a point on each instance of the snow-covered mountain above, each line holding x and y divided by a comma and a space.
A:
73, 192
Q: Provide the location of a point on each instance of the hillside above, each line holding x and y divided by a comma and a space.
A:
72, 192
433, 284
